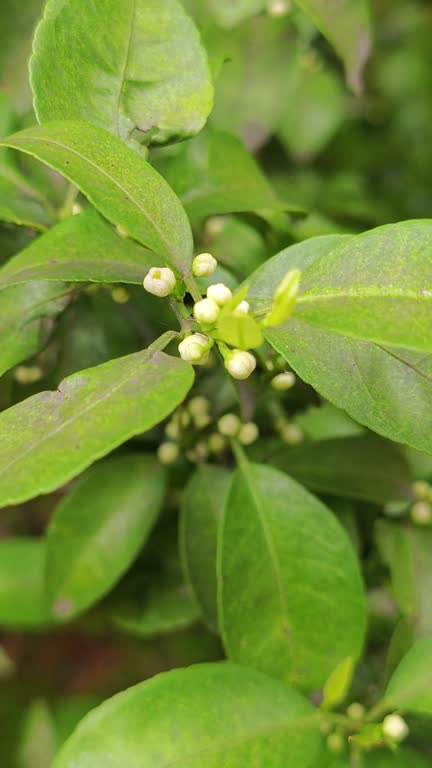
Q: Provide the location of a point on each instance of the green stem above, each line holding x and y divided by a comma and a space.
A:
239, 454
69, 201
162, 342
192, 288
377, 711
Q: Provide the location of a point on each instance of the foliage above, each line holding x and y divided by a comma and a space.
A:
215, 384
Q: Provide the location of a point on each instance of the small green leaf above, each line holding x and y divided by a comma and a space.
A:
117, 181
410, 687
22, 596
337, 685
51, 437
16, 208
202, 506
301, 611
261, 723
99, 528
80, 248
241, 331
25, 313
346, 24
38, 744
284, 299
125, 65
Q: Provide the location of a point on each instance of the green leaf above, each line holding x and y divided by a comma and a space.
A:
39, 738
214, 174
410, 687
22, 597
202, 506
125, 65
407, 550
241, 331
17, 208
25, 317
161, 608
346, 24
325, 422
355, 467
383, 273
291, 598
261, 723
80, 248
53, 436
337, 686
228, 13
98, 529
117, 181
371, 382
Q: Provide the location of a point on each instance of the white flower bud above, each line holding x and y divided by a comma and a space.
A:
248, 433
242, 308
160, 281
240, 364
206, 311
229, 425
421, 513
198, 405
220, 293
168, 453
283, 381
28, 374
194, 348
216, 443
395, 727
76, 209
291, 434
201, 420
204, 265
279, 7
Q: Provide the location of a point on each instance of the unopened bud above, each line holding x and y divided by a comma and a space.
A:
421, 513
198, 405
248, 433
172, 429
356, 711
160, 281
283, 381
194, 348
242, 308
240, 364
206, 311
220, 293
28, 374
168, 453
120, 294
204, 265
335, 743
291, 434
229, 425
216, 443
421, 490
395, 727
201, 451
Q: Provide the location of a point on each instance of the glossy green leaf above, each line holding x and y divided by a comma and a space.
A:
287, 606
17, 208
161, 608
337, 686
125, 65
261, 723
26, 313
407, 550
410, 687
22, 596
355, 467
383, 273
241, 331
99, 528
346, 24
215, 174
202, 506
371, 382
119, 183
80, 248
53, 436
325, 422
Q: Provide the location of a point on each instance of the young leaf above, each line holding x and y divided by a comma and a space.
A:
261, 723
291, 599
99, 528
373, 383
117, 181
346, 24
410, 687
337, 686
202, 506
80, 248
51, 437
355, 467
125, 65
383, 273
22, 596
25, 313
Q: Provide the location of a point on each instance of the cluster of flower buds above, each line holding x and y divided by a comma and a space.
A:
421, 510
230, 425
195, 415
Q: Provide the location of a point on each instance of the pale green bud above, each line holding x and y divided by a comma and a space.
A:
160, 281
356, 711
421, 490
206, 311
335, 743
248, 434
204, 265
120, 294
421, 513
198, 405
168, 453
219, 293
240, 364
172, 430
194, 348
283, 381
216, 442
229, 425
278, 8
291, 434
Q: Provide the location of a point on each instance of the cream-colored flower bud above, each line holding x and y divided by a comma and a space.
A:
292, 434
242, 308
249, 433
216, 443
76, 209
168, 453
395, 727
172, 429
278, 8
194, 348
206, 311
283, 381
28, 374
160, 281
356, 711
198, 405
204, 265
240, 364
421, 513
229, 425
219, 293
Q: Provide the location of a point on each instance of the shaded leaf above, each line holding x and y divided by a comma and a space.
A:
410, 686
16, 208
22, 596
